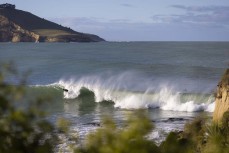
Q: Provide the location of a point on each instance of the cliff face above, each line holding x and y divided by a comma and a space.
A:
222, 98
21, 26
9, 31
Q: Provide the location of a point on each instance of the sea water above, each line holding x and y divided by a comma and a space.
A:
172, 81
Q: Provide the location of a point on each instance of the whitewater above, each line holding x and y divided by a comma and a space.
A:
116, 90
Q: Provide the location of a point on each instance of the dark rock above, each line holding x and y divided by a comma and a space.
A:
93, 124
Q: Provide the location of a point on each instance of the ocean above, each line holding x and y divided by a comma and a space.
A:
172, 81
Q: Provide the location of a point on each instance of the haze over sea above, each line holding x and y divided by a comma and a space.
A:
172, 81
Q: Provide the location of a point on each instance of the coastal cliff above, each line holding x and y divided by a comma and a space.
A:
20, 26
222, 98
10, 31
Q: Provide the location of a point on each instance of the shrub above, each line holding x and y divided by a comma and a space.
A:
23, 130
128, 139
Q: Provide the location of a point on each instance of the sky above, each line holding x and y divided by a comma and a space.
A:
137, 20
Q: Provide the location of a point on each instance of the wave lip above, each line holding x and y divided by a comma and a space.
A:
165, 98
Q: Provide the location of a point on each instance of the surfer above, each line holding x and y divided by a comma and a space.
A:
66, 90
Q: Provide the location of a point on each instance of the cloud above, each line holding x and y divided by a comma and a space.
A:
204, 15
82, 24
126, 30
202, 8
127, 5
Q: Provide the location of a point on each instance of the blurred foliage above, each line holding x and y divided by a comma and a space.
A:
218, 136
199, 136
174, 143
130, 139
22, 130
63, 125
26, 130
194, 133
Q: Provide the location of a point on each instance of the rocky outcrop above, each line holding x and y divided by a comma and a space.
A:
222, 98
20, 26
9, 31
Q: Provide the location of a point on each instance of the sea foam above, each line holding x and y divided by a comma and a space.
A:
114, 89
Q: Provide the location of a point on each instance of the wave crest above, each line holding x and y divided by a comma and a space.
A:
164, 97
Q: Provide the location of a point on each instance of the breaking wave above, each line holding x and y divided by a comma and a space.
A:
115, 89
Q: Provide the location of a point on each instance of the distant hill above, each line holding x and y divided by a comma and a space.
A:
20, 26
